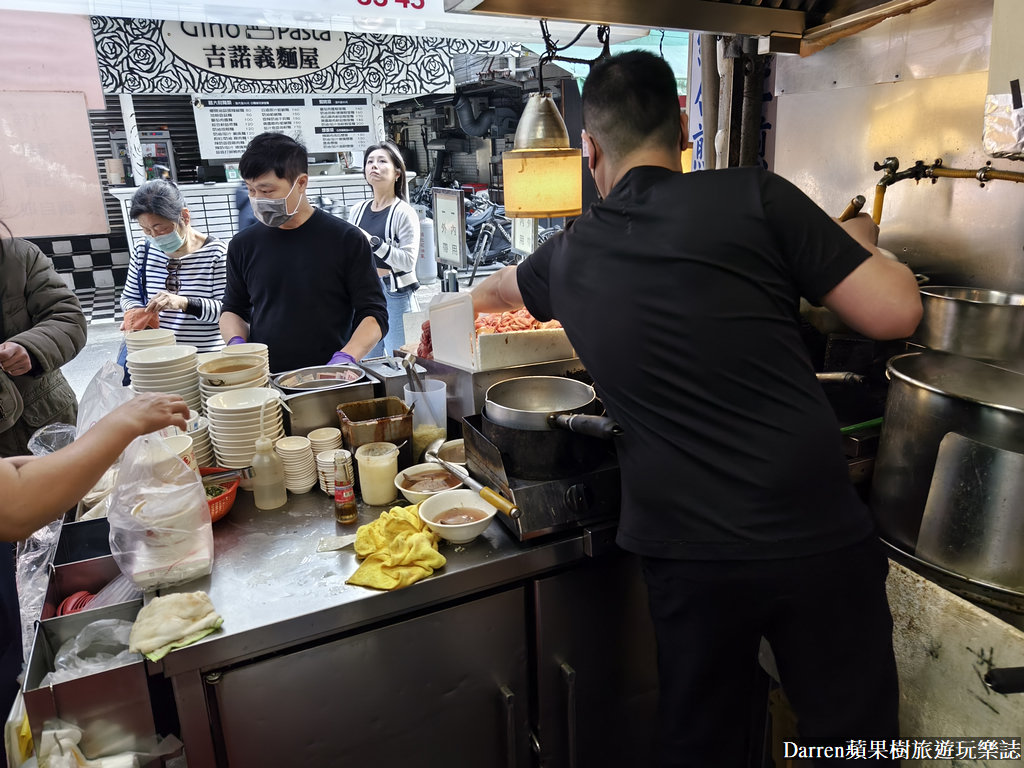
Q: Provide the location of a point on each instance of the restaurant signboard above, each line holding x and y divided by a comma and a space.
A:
140, 56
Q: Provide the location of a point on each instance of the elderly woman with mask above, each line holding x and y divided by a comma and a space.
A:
393, 229
176, 277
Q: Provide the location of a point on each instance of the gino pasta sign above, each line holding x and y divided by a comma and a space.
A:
139, 56
250, 51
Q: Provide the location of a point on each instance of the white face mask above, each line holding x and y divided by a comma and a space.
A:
274, 211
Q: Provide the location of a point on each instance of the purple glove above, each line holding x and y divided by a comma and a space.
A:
341, 358
236, 340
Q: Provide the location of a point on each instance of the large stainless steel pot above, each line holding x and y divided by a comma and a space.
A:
930, 395
986, 325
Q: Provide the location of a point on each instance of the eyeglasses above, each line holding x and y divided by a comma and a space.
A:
173, 282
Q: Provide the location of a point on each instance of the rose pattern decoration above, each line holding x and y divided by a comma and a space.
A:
133, 58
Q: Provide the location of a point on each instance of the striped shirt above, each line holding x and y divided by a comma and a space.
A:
202, 275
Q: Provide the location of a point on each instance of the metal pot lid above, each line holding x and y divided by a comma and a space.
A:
319, 377
961, 377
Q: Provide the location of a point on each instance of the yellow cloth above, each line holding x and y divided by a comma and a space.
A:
397, 550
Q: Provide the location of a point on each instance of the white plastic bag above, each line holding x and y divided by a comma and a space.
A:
100, 646
160, 529
103, 394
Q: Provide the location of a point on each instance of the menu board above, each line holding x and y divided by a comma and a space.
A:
227, 122
450, 226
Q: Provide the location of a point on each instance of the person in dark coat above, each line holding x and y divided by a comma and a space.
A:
42, 327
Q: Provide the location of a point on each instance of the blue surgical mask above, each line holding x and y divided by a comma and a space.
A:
274, 212
168, 243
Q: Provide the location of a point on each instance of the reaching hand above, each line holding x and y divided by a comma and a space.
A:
14, 359
150, 411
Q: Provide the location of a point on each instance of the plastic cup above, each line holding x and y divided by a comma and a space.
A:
378, 465
429, 415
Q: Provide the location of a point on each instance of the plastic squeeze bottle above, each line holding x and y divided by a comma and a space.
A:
267, 476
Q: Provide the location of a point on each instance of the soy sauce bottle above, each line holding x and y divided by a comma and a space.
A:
346, 511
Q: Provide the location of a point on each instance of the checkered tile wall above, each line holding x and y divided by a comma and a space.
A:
94, 267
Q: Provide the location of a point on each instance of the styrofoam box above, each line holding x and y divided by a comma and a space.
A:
455, 340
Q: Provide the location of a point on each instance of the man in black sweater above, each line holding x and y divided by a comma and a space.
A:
304, 282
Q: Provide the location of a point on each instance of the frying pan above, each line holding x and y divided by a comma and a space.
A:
543, 403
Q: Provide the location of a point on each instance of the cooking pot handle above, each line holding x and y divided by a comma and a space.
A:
593, 426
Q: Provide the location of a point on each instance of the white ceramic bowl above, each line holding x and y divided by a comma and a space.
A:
453, 451
237, 401
247, 348
178, 380
324, 435
209, 390
150, 337
294, 444
416, 497
248, 432
233, 369
158, 355
439, 503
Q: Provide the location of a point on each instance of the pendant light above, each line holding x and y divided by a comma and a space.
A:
543, 175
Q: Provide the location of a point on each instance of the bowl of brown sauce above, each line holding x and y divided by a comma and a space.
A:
421, 481
457, 516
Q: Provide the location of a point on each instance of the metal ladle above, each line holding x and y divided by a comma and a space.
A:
492, 497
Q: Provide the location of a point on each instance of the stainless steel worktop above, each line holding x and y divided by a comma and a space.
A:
275, 590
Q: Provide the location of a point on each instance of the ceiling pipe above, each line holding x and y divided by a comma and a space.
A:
501, 118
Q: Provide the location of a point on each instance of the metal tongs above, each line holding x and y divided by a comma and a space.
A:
244, 473
489, 495
416, 385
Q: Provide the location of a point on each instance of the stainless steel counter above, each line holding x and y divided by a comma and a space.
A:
275, 590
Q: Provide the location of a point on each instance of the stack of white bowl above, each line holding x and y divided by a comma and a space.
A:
148, 337
324, 439
167, 369
237, 418
250, 348
299, 466
228, 372
201, 444
325, 469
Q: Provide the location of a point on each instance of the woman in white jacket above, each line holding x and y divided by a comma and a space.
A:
393, 229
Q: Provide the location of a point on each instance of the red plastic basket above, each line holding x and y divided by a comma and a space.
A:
219, 505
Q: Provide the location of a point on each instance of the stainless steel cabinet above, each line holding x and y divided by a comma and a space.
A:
596, 677
448, 688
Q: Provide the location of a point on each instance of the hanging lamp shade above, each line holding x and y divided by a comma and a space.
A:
542, 173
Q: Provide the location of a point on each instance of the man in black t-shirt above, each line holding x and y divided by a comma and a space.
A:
304, 282
680, 293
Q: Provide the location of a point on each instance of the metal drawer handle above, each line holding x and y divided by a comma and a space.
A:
569, 676
509, 700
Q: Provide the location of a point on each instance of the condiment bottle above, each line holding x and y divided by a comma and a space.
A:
345, 509
267, 476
